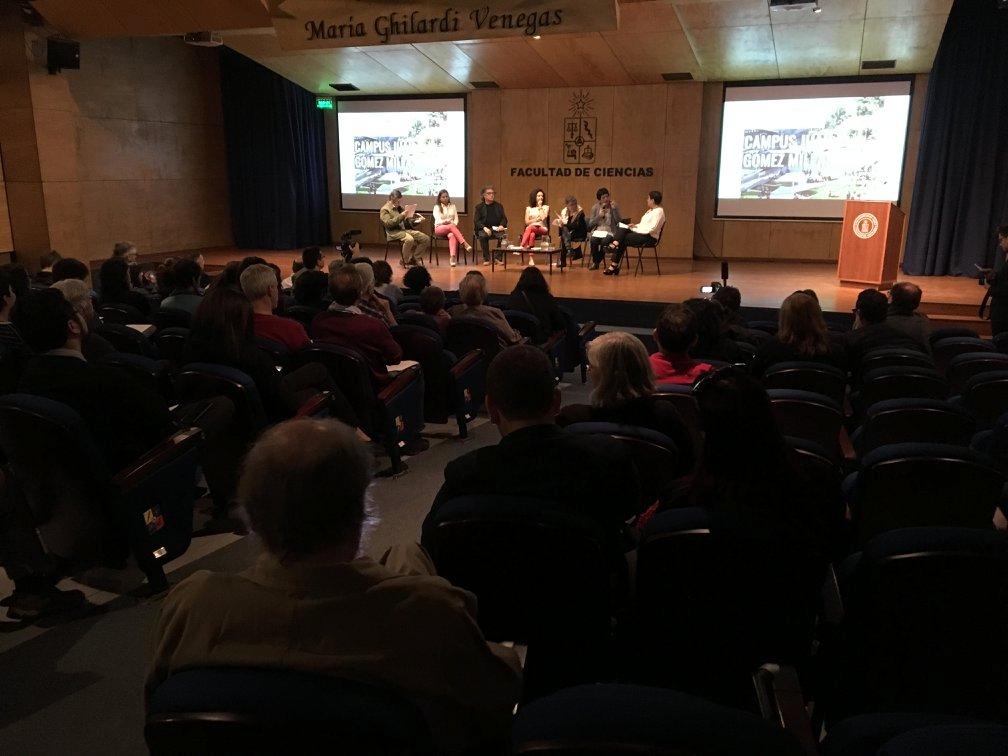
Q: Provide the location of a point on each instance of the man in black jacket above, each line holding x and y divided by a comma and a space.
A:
871, 331
534, 454
490, 221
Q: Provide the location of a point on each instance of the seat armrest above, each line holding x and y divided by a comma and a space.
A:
468, 361
586, 329
171, 448
832, 611
399, 383
314, 405
781, 702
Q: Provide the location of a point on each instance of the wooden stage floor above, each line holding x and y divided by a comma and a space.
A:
763, 284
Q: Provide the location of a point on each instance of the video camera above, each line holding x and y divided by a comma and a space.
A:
347, 243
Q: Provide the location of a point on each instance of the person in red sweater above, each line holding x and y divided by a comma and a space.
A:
345, 325
675, 333
262, 290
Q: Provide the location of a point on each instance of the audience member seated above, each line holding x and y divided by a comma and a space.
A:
415, 280
801, 337
872, 329
473, 293
288, 283
163, 281
712, 343
369, 302
744, 468
311, 289
222, 332
312, 258
138, 279
904, 299
44, 277
590, 475
185, 293
114, 276
730, 299
94, 346
260, 286
384, 285
345, 325
432, 302
623, 391
13, 350
532, 295
314, 603
68, 267
675, 335
20, 281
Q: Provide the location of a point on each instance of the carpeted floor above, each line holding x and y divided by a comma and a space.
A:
77, 688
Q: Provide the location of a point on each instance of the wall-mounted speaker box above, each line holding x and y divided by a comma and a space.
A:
62, 53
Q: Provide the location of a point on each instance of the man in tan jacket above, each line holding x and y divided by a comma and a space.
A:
309, 604
399, 224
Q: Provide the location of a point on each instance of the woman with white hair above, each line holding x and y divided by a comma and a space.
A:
473, 293
623, 391
369, 302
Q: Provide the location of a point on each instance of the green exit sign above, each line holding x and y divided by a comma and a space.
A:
324, 103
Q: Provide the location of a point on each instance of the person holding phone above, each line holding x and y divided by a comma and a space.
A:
399, 225
446, 225
536, 217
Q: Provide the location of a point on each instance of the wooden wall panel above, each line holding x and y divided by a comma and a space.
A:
776, 240
6, 237
656, 126
132, 147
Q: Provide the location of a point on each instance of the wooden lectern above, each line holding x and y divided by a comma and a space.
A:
870, 243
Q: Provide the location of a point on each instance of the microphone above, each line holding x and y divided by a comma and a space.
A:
724, 272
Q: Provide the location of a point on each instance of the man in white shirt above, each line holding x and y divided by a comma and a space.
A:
643, 234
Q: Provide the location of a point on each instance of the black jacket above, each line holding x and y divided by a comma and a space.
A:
588, 475
775, 351
125, 418
543, 305
489, 215
876, 336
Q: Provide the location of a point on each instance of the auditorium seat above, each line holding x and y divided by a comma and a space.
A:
944, 350
541, 577
923, 485
816, 377
925, 625
914, 734
897, 382
77, 502
414, 317
654, 454
466, 334
126, 339
808, 415
685, 403
892, 357
203, 380
302, 314
822, 477
123, 314
715, 598
952, 332
170, 317
393, 415
171, 345
985, 397
964, 366
634, 720
278, 353
154, 374
246, 710
897, 421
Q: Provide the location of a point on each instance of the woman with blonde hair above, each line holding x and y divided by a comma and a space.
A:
801, 337
623, 391
446, 225
473, 293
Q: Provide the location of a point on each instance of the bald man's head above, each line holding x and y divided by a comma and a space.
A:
303, 486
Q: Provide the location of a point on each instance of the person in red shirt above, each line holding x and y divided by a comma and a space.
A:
675, 333
345, 325
260, 285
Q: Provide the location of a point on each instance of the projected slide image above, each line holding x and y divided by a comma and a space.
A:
775, 152
417, 152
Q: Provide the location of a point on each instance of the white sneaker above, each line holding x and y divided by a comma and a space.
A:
453, 262
531, 262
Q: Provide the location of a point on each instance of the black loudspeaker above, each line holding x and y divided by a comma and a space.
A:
724, 271
62, 53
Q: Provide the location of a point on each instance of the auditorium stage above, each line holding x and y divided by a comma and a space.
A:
947, 299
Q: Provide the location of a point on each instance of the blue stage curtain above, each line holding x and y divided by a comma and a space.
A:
961, 188
276, 158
